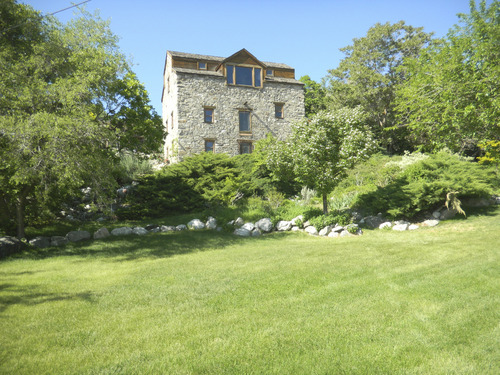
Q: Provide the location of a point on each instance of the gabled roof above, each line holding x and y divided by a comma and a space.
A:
243, 53
192, 56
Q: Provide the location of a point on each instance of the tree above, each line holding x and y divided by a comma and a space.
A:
451, 97
69, 101
322, 149
314, 96
368, 76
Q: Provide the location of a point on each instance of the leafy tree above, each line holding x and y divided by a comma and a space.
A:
368, 76
451, 97
314, 97
322, 149
69, 101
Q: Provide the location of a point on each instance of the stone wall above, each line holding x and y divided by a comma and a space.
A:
192, 91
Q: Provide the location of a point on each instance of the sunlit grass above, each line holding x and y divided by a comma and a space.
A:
423, 302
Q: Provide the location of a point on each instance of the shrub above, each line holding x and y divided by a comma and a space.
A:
423, 186
333, 218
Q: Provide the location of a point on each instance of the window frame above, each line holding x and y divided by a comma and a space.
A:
207, 141
205, 109
282, 105
232, 81
245, 110
269, 73
200, 65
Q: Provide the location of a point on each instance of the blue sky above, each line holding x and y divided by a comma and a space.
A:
305, 34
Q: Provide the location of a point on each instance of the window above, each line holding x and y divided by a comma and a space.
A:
245, 147
244, 75
269, 72
244, 120
209, 145
202, 66
208, 115
278, 110
172, 120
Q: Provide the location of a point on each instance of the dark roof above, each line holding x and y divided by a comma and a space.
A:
218, 59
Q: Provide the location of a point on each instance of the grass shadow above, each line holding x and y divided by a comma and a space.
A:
154, 245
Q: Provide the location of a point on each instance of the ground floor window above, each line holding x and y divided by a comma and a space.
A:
245, 147
278, 110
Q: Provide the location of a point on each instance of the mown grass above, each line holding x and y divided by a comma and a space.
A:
422, 302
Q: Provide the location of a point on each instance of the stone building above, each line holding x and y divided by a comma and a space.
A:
218, 104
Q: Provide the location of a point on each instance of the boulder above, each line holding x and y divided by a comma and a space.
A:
448, 214
101, 233
10, 245
248, 226
168, 228
436, 214
333, 234
40, 242
283, 225
337, 228
58, 241
345, 233
311, 230
325, 231
211, 223
256, 232
151, 227
374, 221
181, 227
400, 227
140, 231
265, 225
295, 229
242, 232
78, 235
122, 231
431, 223
195, 224
413, 227
399, 222
239, 222
385, 225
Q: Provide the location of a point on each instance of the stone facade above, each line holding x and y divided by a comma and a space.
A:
204, 111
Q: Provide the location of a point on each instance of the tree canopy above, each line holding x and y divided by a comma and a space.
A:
322, 149
451, 95
69, 101
368, 76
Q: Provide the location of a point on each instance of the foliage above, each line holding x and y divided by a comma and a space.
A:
69, 100
491, 151
314, 96
368, 76
331, 219
131, 167
202, 180
425, 185
450, 97
322, 149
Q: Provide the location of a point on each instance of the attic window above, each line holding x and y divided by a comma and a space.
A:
269, 73
244, 75
202, 66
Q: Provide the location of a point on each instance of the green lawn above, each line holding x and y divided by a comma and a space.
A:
422, 302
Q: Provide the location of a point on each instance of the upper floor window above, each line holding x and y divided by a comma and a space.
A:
244, 121
269, 72
244, 75
208, 115
202, 66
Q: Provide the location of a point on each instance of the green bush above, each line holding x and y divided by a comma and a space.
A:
333, 218
422, 186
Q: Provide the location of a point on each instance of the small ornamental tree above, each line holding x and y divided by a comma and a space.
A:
323, 148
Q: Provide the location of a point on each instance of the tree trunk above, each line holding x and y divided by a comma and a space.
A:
325, 204
21, 204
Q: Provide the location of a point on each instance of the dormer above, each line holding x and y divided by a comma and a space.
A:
243, 69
